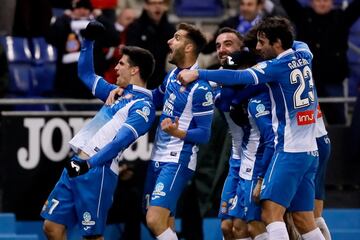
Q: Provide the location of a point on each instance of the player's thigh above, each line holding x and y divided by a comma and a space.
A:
170, 183
237, 206
304, 197
284, 175
229, 191
60, 205
252, 210
324, 147
93, 193
152, 174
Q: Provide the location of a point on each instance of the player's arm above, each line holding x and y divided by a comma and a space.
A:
248, 92
263, 121
302, 47
98, 86
203, 109
254, 75
140, 119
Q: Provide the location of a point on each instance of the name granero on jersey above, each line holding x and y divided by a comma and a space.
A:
298, 63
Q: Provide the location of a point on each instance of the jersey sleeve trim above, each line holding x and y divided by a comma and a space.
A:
95, 84
132, 129
256, 79
203, 113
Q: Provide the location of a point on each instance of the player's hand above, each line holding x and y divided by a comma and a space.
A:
172, 128
187, 76
114, 94
76, 167
93, 31
257, 190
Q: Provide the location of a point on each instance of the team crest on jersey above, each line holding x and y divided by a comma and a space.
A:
182, 89
209, 99
260, 108
87, 219
144, 112
223, 208
158, 191
260, 67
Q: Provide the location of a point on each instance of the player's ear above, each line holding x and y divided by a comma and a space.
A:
278, 43
189, 47
134, 70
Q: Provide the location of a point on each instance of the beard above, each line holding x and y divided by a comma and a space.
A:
178, 56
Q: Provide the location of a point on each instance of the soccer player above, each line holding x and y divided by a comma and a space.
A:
84, 192
229, 41
324, 146
185, 122
289, 181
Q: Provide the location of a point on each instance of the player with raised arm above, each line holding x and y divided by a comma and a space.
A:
289, 181
185, 122
84, 192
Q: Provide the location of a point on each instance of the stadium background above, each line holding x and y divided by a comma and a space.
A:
35, 129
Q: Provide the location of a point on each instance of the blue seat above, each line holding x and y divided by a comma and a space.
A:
44, 67
191, 8
19, 64
7, 223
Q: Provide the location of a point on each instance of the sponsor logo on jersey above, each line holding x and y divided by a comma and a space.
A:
209, 99
260, 67
158, 192
144, 112
87, 219
260, 108
305, 117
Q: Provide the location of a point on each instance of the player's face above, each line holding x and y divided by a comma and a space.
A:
155, 9
227, 43
322, 6
177, 47
123, 71
264, 48
249, 9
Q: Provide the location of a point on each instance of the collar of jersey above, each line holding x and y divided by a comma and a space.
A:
285, 53
142, 90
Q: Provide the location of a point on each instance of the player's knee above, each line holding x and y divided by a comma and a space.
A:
304, 222
156, 221
53, 230
227, 227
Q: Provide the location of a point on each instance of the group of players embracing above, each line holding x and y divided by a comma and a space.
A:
267, 95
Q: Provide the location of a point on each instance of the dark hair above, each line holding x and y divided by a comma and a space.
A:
141, 58
229, 30
276, 28
194, 35
82, 4
250, 39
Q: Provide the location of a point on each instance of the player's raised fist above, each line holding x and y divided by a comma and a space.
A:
76, 168
94, 30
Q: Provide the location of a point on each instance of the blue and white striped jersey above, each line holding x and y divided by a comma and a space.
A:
195, 101
258, 142
291, 92
114, 127
134, 110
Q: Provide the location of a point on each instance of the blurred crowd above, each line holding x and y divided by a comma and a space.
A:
330, 27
